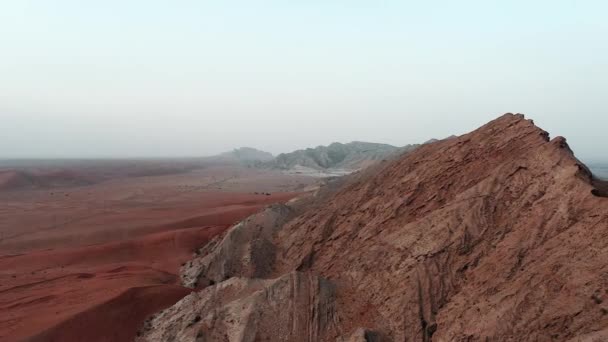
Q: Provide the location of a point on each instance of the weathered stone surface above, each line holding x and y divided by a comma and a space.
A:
497, 235
295, 307
246, 250
361, 335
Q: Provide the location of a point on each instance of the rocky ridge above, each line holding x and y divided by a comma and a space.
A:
499, 234
351, 156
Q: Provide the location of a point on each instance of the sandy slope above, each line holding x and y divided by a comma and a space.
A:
54, 286
90, 263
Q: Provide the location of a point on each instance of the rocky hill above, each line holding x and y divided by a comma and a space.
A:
497, 235
248, 154
351, 156
244, 155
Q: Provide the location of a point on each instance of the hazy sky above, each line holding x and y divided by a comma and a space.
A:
157, 78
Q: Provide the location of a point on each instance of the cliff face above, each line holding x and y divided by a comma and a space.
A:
499, 234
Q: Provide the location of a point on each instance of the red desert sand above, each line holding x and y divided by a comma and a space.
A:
112, 255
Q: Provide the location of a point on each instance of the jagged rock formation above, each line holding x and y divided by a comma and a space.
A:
497, 235
245, 250
290, 308
323, 161
351, 156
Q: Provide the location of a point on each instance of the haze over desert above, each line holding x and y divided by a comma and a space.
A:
306, 171
75, 255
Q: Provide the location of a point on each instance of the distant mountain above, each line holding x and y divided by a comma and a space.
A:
247, 154
21, 180
599, 169
244, 155
351, 156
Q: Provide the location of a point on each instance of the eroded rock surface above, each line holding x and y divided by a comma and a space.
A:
246, 250
497, 235
295, 307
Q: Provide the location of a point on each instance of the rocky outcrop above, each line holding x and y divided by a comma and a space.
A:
295, 307
246, 250
491, 235
497, 235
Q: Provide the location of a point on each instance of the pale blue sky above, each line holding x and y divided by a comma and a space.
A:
158, 78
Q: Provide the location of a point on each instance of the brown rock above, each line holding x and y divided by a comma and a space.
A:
361, 335
499, 235
294, 307
245, 250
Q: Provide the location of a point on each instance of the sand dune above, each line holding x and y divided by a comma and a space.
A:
51, 287
90, 263
117, 319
